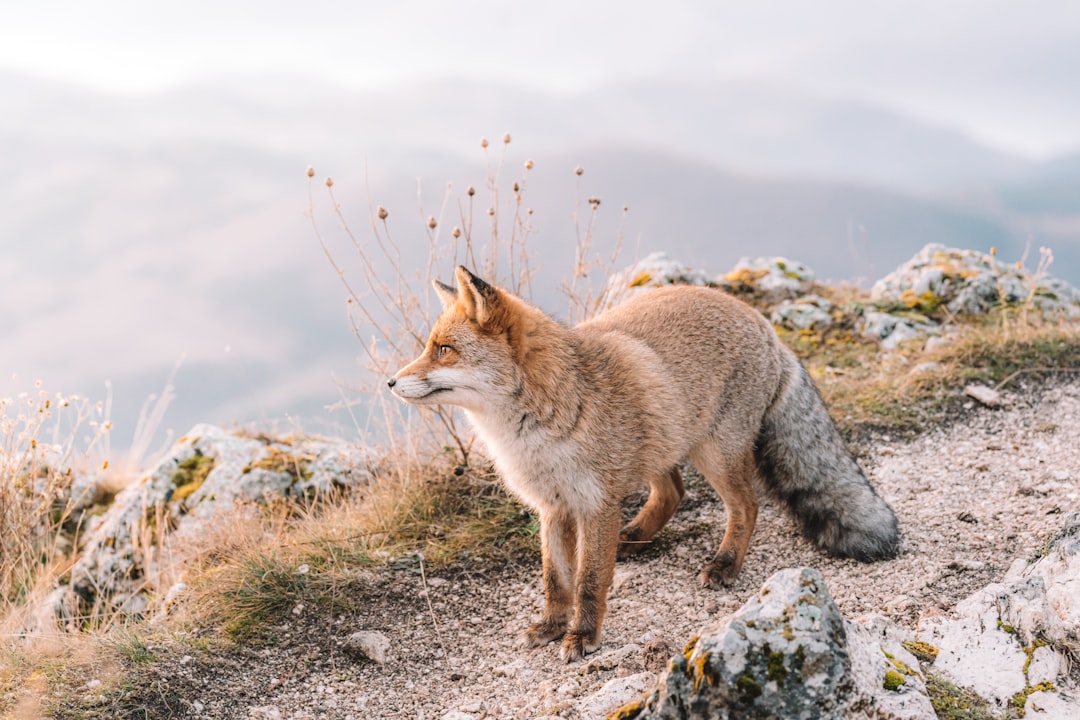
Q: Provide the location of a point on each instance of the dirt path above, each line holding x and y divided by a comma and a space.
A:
971, 498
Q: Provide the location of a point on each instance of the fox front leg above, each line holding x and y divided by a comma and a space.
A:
558, 549
598, 541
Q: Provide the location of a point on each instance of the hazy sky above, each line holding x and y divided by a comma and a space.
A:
1005, 71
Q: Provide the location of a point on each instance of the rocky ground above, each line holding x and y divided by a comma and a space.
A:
972, 496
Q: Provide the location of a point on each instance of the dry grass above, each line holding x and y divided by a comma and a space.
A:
911, 387
57, 470
262, 565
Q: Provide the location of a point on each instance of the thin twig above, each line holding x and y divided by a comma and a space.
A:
431, 610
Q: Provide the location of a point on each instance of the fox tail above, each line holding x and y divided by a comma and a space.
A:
804, 462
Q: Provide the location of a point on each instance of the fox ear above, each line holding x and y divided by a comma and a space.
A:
448, 294
481, 300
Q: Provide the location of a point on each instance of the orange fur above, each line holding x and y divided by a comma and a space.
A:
575, 419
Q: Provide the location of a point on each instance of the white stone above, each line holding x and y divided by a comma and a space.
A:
867, 647
614, 694
610, 659
967, 281
803, 313
985, 395
653, 271
1046, 665
891, 330
1052, 706
925, 367
985, 647
975, 653
371, 644
770, 275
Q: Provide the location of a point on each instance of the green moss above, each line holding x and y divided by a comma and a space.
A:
800, 659
190, 475
894, 680
749, 688
954, 703
1006, 627
279, 461
775, 670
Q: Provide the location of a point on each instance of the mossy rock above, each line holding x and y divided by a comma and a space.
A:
279, 461
190, 474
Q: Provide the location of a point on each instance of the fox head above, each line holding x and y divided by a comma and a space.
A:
472, 354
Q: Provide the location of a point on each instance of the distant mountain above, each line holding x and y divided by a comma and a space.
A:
136, 229
1051, 188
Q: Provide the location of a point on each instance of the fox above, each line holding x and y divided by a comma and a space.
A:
577, 418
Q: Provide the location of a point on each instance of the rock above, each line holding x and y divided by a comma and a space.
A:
776, 277
611, 659
1009, 639
970, 282
809, 312
891, 329
925, 367
656, 654
460, 715
1051, 705
614, 694
788, 653
938, 342
653, 271
209, 471
369, 644
985, 395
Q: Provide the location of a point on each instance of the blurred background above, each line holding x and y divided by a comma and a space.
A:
154, 200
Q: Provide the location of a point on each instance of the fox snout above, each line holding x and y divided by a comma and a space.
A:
391, 382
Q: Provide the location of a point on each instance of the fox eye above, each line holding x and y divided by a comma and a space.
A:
443, 351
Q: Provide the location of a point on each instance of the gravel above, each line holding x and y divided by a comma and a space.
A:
971, 496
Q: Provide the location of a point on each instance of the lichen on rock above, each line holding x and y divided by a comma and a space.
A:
973, 283
208, 472
789, 653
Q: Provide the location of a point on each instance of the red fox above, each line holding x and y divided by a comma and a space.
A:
578, 418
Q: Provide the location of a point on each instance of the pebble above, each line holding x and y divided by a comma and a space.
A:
368, 644
985, 395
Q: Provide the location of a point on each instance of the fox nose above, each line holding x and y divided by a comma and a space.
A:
391, 382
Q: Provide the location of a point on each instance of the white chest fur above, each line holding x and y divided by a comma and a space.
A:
546, 473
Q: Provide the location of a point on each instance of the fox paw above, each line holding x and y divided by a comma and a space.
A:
541, 633
722, 570
575, 645
630, 542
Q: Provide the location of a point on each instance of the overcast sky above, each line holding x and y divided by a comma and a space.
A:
1004, 71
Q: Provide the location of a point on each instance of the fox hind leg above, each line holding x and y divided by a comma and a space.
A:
665, 493
733, 479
